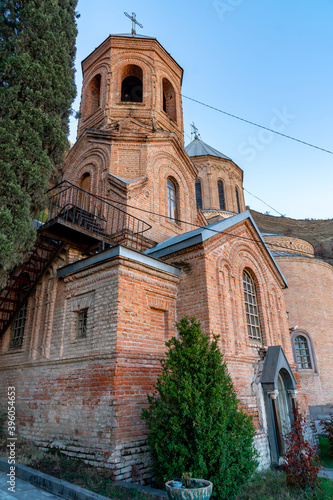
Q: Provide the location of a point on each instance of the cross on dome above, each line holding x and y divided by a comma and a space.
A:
194, 131
134, 22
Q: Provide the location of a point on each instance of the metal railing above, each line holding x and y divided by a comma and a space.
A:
92, 213
22, 282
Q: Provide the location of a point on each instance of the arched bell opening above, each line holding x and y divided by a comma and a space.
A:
131, 84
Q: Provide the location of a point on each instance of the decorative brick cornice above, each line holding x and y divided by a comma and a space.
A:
289, 244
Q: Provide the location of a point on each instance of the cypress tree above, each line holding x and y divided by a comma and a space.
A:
196, 424
37, 89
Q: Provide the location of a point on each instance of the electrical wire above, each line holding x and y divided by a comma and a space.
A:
257, 125
254, 196
227, 233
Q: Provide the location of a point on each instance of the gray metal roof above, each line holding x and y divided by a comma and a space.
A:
295, 254
185, 240
200, 148
111, 253
130, 35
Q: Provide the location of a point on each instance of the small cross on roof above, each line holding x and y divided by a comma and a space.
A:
194, 131
134, 21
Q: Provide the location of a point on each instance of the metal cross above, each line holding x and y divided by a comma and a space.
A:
134, 22
194, 131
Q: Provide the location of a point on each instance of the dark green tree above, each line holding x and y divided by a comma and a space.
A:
196, 424
37, 88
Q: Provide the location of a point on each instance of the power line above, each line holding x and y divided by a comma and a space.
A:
254, 196
209, 229
257, 125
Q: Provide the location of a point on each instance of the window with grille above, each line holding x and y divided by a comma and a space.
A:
17, 334
172, 204
198, 193
302, 352
82, 317
221, 195
251, 308
237, 201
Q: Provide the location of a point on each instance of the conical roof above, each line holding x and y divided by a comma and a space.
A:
199, 148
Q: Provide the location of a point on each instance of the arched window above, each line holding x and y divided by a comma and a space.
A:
93, 96
302, 352
251, 308
169, 99
221, 195
172, 200
131, 84
237, 200
198, 193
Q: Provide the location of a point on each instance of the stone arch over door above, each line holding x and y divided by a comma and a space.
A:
279, 387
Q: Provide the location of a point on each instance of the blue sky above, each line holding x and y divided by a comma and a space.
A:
267, 61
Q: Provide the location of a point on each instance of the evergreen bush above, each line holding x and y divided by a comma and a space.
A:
196, 424
37, 88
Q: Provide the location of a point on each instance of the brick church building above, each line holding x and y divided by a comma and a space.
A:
140, 232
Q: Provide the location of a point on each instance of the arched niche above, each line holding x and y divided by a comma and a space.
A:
169, 99
93, 96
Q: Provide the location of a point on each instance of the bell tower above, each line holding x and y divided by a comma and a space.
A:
131, 76
130, 141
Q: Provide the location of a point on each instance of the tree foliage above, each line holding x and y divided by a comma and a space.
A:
194, 418
37, 89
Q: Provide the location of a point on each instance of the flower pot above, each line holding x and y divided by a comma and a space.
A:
200, 489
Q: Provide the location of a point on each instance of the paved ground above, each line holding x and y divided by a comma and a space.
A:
326, 473
26, 491
23, 490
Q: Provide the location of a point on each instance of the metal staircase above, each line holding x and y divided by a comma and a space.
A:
25, 277
77, 217
83, 219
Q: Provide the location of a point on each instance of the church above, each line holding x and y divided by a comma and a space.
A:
140, 232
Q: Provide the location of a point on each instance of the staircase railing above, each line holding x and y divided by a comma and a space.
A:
24, 278
76, 206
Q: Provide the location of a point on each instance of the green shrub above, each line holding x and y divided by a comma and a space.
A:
194, 418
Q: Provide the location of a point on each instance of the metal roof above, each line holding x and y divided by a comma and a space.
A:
199, 148
130, 35
111, 253
186, 240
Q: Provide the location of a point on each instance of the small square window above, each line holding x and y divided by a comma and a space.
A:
82, 317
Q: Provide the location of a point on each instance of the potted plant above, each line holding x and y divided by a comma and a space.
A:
188, 488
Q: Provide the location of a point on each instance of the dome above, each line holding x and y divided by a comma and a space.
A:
199, 148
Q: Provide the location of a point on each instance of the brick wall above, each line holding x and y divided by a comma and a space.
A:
309, 302
211, 289
210, 171
85, 395
109, 60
